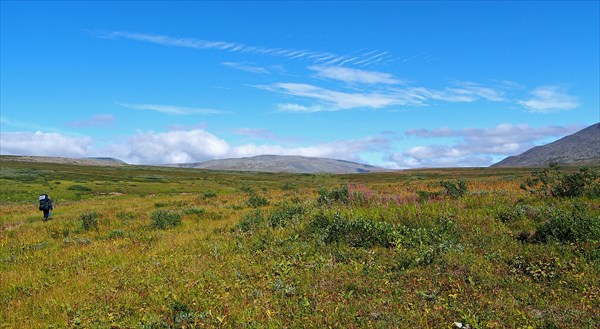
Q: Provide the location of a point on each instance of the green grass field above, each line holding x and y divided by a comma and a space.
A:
150, 247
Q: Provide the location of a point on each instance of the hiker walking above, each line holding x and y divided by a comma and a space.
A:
46, 205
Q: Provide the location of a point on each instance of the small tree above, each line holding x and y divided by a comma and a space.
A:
456, 189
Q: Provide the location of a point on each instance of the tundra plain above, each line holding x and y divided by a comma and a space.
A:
157, 247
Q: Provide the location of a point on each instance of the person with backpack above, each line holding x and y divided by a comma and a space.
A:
46, 206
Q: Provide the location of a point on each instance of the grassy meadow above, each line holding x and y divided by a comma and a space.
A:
154, 247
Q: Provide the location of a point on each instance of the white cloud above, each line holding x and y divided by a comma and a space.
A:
247, 67
170, 147
363, 59
44, 144
288, 107
475, 146
353, 75
100, 120
402, 160
462, 92
342, 149
438, 132
333, 99
547, 99
183, 146
171, 109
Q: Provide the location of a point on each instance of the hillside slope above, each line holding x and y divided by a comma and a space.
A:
580, 148
100, 161
285, 164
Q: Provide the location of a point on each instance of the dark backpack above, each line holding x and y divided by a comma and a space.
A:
45, 202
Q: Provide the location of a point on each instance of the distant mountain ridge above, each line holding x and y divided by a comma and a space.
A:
579, 149
98, 161
284, 164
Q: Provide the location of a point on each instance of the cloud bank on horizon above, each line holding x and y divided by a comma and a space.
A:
158, 98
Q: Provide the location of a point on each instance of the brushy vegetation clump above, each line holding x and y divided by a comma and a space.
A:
340, 194
89, 220
455, 189
380, 250
576, 225
257, 201
553, 182
164, 219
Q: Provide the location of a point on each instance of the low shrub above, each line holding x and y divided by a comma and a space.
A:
193, 211
209, 194
256, 201
518, 211
89, 221
538, 269
122, 215
340, 194
250, 222
116, 234
284, 213
454, 189
354, 232
163, 219
553, 182
578, 225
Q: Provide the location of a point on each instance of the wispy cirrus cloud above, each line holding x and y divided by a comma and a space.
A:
547, 99
247, 67
100, 120
171, 109
460, 92
332, 100
350, 75
290, 107
364, 58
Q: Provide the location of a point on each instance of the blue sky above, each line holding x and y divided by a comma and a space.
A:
393, 84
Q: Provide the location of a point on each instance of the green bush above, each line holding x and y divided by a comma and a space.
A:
250, 222
576, 184
193, 211
122, 215
284, 213
340, 194
553, 182
163, 219
209, 194
354, 232
116, 234
89, 221
455, 189
256, 201
578, 225
518, 211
